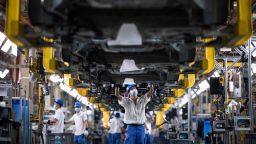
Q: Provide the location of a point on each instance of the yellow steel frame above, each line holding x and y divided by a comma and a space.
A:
165, 107
99, 105
40, 106
236, 65
12, 26
160, 119
181, 77
243, 27
171, 100
48, 60
68, 80
179, 92
83, 91
106, 115
189, 80
92, 99
208, 62
192, 63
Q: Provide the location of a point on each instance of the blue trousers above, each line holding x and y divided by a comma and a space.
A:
114, 138
148, 139
80, 139
135, 134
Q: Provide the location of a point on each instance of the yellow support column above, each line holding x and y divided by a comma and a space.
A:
68, 80
92, 99
160, 119
166, 107
171, 100
208, 63
40, 106
106, 115
83, 91
236, 65
12, 25
48, 60
189, 80
178, 92
243, 27
181, 77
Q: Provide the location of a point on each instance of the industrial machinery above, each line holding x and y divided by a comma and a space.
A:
161, 37
94, 46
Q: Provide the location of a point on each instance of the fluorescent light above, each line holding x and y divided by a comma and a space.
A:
7, 45
72, 92
65, 87
225, 49
62, 86
4, 73
184, 100
216, 74
14, 49
55, 78
253, 66
252, 47
84, 100
78, 97
204, 85
2, 38
254, 54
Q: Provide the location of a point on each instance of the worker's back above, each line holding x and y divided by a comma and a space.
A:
115, 125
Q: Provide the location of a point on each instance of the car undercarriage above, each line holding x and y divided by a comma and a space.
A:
168, 42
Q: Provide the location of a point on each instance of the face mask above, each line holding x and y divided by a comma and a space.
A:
77, 110
134, 92
55, 107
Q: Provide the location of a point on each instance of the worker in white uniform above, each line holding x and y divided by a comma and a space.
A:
81, 124
148, 128
58, 119
116, 126
134, 115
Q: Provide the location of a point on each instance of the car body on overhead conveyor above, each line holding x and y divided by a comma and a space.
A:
162, 37
167, 40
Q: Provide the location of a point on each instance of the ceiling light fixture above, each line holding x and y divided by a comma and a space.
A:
204, 85
4, 73
72, 92
7, 45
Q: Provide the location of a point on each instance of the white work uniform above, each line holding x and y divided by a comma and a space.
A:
134, 113
115, 125
58, 127
79, 119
